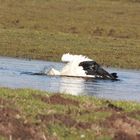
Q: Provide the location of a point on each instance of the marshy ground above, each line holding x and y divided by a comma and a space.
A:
28, 114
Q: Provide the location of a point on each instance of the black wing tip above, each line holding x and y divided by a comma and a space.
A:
114, 75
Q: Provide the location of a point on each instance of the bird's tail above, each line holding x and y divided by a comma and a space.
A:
69, 57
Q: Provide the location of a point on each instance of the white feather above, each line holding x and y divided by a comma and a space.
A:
72, 68
69, 57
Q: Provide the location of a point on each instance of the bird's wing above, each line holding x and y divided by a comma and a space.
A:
93, 68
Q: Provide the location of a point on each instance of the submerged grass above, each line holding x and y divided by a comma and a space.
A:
107, 30
67, 117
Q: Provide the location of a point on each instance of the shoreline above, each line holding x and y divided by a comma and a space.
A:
59, 61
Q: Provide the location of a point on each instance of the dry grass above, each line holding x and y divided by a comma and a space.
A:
107, 30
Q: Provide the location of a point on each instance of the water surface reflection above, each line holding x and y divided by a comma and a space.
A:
14, 73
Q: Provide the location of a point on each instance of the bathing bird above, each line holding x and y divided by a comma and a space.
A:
81, 66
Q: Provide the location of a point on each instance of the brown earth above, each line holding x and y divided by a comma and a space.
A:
120, 125
124, 127
5, 102
13, 127
134, 114
57, 99
64, 119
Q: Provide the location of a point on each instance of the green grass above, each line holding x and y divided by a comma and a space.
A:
107, 30
89, 110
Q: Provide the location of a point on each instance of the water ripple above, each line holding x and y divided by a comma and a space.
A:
19, 73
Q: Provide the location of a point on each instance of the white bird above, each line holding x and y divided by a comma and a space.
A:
72, 67
81, 66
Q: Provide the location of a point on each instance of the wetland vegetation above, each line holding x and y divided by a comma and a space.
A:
107, 30
36, 115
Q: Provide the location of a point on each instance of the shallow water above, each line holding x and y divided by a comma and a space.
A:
14, 73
